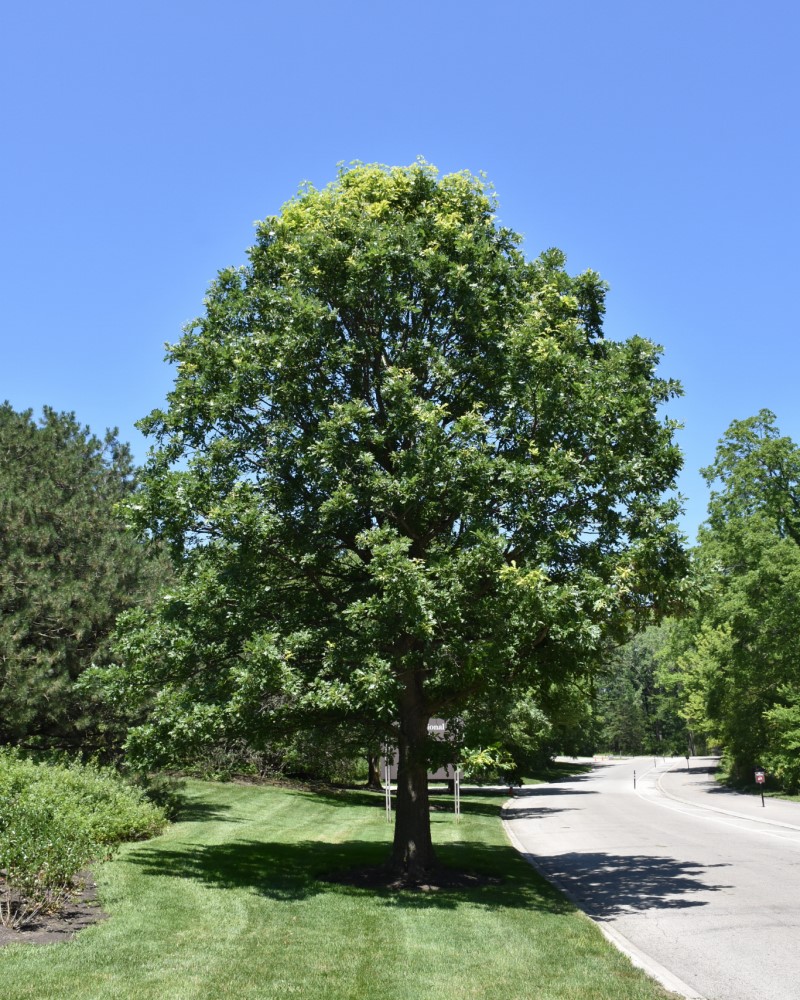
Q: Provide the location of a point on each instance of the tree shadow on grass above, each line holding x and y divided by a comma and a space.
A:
610, 885
344, 796
441, 802
561, 770
586, 772
296, 871
604, 885
469, 807
198, 811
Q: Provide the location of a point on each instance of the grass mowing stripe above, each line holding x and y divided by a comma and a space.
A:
228, 904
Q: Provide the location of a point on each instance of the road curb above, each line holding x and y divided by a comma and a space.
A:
717, 809
637, 957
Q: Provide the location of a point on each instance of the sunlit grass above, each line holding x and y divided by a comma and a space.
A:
227, 904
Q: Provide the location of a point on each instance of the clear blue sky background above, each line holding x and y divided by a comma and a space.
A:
654, 142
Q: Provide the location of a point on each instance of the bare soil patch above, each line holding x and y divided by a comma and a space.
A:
81, 910
381, 877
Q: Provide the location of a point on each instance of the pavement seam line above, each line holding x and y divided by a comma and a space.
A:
635, 954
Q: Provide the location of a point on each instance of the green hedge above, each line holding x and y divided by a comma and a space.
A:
55, 819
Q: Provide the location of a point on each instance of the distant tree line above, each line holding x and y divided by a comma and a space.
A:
725, 673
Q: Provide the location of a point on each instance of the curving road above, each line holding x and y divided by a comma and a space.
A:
698, 883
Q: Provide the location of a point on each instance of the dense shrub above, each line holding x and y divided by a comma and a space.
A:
55, 819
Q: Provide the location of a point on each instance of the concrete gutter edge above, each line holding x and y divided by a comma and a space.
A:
765, 820
637, 957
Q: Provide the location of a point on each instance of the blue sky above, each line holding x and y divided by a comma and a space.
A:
655, 143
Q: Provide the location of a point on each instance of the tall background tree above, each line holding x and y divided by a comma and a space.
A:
516, 737
640, 708
67, 568
402, 472
736, 654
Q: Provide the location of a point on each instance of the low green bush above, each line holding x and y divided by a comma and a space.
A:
165, 791
55, 819
39, 856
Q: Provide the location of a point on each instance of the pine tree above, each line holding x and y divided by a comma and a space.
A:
67, 568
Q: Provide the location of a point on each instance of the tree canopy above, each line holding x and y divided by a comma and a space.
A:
738, 648
402, 472
638, 709
67, 568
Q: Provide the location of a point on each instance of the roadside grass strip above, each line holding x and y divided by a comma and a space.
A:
227, 903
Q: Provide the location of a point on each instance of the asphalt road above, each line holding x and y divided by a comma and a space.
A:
703, 883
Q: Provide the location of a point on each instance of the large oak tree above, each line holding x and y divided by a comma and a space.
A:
403, 473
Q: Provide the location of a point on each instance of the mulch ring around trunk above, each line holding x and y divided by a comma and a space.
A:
81, 910
382, 877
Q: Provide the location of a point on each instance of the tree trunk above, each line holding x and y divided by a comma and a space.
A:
412, 851
374, 772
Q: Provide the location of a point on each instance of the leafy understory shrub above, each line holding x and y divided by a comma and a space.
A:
54, 821
491, 763
782, 756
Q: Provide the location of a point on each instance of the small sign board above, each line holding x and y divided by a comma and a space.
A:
760, 777
439, 730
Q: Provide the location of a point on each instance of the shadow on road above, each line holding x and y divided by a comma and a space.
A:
532, 812
609, 885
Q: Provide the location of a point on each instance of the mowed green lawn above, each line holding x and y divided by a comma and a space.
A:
227, 904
